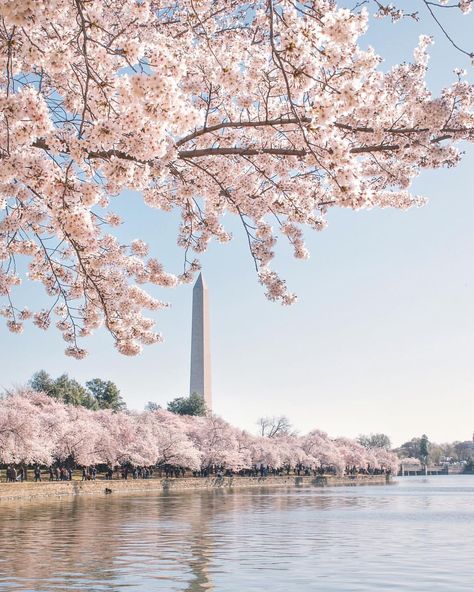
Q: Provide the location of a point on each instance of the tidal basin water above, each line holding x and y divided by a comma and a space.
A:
415, 535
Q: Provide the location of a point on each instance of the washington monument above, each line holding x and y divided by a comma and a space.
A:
200, 345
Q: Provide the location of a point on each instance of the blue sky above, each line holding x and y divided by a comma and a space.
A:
381, 338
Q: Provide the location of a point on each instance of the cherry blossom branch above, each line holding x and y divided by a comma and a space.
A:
247, 151
429, 5
204, 108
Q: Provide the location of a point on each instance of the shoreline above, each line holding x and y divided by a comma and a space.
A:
29, 490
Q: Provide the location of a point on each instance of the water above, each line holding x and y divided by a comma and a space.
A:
417, 535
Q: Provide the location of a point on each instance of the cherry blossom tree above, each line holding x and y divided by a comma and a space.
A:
264, 451
387, 460
53, 416
245, 443
79, 437
21, 436
267, 109
173, 445
322, 450
217, 442
35, 428
117, 444
353, 453
291, 452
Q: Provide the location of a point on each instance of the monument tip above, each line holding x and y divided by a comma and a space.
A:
200, 280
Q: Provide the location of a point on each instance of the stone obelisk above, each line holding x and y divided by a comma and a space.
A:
200, 345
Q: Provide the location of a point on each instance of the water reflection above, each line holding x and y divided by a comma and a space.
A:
414, 536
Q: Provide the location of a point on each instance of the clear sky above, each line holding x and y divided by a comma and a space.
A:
381, 338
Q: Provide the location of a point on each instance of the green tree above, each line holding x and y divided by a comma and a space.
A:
469, 466
375, 441
69, 390
42, 382
424, 449
464, 450
63, 388
410, 449
192, 405
106, 394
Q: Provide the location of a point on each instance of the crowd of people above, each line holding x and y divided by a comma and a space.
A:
12, 474
91, 473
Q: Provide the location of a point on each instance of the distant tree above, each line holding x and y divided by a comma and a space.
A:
63, 388
450, 451
42, 382
152, 406
271, 427
192, 405
464, 450
410, 449
106, 393
69, 390
469, 466
424, 449
99, 394
438, 453
375, 441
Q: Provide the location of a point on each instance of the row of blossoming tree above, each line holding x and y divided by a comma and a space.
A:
35, 428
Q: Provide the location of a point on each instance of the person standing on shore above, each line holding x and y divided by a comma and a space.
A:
37, 474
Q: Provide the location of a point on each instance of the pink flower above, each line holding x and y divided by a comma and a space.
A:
273, 115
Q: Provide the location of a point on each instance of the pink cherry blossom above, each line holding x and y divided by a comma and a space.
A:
35, 428
270, 111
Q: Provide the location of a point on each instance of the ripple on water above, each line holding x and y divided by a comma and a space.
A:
416, 536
